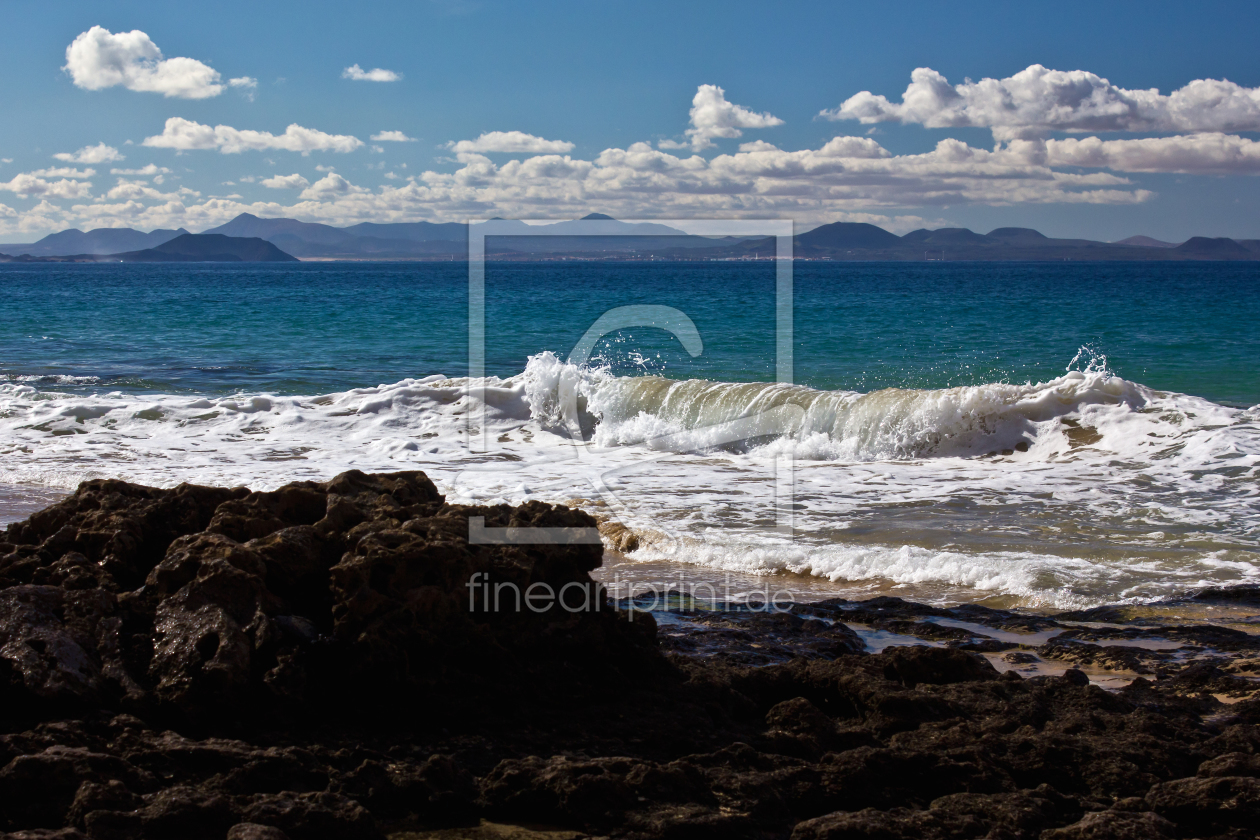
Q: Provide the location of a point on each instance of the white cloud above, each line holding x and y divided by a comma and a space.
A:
754, 146
1038, 100
1205, 154
510, 141
850, 178
100, 153
99, 59
30, 184
853, 147
247, 86
331, 186
149, 170
40, 219
64, 172
847, 178
186, 135
126, 190
392, 137
319, 167
286, 182
358, 74
712, 116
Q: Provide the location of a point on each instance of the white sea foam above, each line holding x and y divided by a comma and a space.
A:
51, 379
1084, 488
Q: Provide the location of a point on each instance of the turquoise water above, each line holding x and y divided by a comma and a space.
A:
1043, 434
1186, 327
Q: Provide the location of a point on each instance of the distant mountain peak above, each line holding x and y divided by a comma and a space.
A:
1213, 247
1015, 233
596, 217
211, 247
1145, 242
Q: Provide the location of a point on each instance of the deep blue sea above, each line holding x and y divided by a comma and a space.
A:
316, 327
1044, 433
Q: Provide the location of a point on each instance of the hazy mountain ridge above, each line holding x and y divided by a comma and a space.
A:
187, 247
603, 237
98, 241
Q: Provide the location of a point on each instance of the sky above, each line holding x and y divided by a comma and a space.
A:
1095, 120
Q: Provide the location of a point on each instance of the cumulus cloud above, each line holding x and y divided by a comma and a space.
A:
392, 137
186, 135
510, 141
99, 59
331, 186
42, 218
379, 74
712, 116
754, 146
30, 184
100, 153
126, 190
1198, 154
286, 182
1038, 100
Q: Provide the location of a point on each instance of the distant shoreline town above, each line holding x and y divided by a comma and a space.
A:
248, 238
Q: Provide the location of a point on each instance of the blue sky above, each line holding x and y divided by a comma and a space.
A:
582, 83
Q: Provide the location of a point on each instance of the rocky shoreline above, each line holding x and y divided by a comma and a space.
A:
325, 661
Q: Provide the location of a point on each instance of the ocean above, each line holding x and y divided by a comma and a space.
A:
1043, 435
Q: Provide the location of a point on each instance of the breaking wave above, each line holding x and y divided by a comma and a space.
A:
1081, 489
891, 424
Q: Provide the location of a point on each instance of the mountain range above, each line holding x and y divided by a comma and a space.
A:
613, 239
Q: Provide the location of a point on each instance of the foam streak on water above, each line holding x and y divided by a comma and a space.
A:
1084, 489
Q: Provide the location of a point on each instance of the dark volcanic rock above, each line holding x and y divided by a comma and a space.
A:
337, 660
349, 591
1115, 825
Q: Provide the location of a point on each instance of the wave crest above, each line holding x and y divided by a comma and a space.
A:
890, 424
